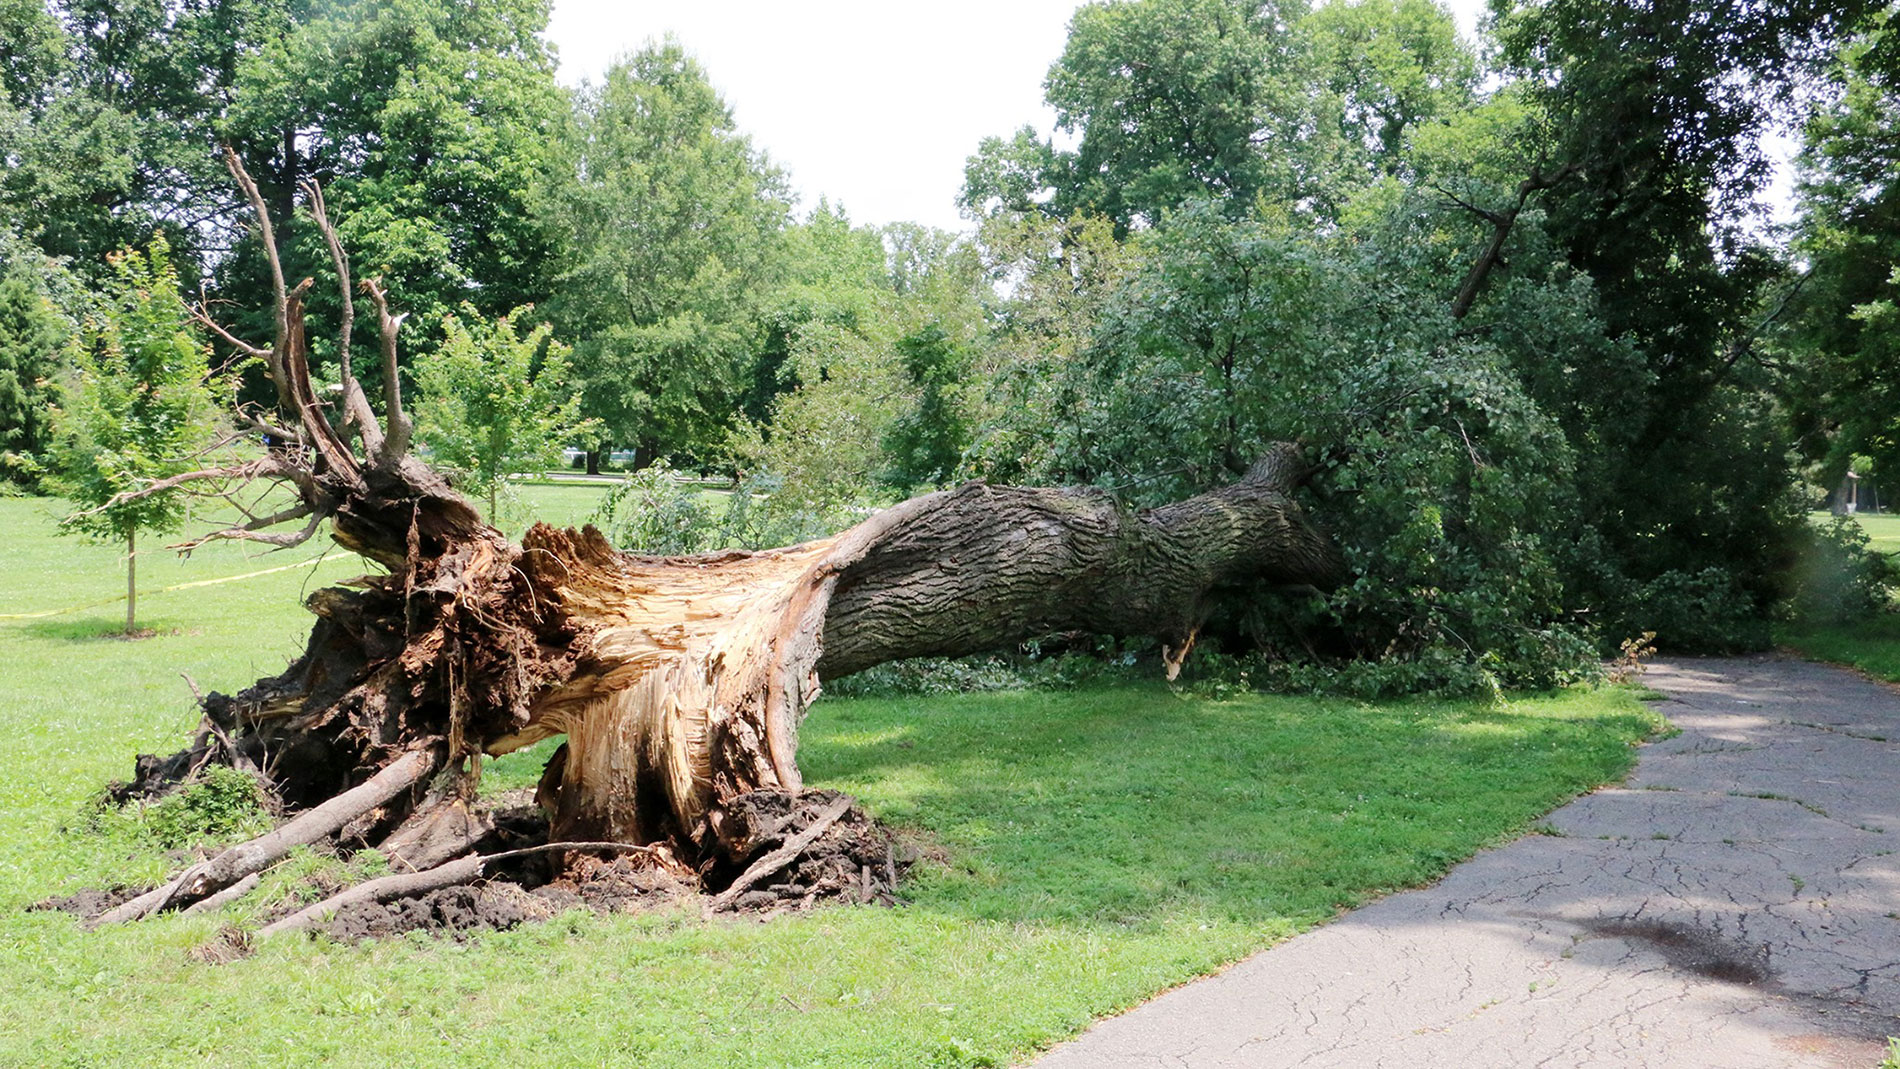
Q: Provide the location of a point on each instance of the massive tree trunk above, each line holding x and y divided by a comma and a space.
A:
678, 683
691, 674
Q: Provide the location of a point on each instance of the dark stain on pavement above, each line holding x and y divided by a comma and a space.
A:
1700, 952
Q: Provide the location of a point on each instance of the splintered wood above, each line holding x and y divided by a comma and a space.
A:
693, 675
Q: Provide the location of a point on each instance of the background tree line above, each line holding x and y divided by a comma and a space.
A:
1560, 381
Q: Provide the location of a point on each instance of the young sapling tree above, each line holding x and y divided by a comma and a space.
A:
141, 411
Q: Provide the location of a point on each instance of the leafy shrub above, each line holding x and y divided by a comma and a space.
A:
651, 511
1440, 477
1839, 578
1707, 610
761, 513
1028, 667
221, 804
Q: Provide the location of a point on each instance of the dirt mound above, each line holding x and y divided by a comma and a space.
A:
91, 902
775, 851
853, 858
449, 911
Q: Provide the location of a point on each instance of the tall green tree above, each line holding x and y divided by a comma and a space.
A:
1168, 100
108, 121
435, 129
1381, 69
1845, 396
674, 223
34, 340
495, 402
142, 410
1652, 114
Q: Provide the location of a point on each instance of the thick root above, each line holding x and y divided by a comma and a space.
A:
245, 859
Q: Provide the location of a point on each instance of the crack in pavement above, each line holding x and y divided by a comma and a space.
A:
1676, 922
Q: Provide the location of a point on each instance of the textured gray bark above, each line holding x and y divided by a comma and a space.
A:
989, 566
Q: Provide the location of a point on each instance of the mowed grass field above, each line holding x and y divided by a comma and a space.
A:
1883, 530
1099, 846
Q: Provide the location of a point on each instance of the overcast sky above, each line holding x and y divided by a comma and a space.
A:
873, 103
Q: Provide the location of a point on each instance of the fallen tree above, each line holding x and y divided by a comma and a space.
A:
678, 684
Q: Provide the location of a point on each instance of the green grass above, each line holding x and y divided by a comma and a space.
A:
1883, 530
1102, 845
1873, 646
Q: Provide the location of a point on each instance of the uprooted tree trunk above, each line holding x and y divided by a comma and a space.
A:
678, 683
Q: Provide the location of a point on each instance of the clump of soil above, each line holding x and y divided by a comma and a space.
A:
854, 859
449, 911
90, 902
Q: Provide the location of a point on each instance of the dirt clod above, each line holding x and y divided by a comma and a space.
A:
91, 902
449, 911
856, 859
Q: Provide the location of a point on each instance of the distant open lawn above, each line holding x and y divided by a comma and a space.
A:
1101, 846
1883, 529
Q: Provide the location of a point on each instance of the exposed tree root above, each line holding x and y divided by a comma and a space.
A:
225, 897
409, 884
312, 826
778, 859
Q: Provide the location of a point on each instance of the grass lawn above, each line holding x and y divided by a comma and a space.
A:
1873, 646
1102, 845
1883, 529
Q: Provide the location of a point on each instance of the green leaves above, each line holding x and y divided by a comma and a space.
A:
143, 408
496, 402
1844, 395
674, 221
35, 339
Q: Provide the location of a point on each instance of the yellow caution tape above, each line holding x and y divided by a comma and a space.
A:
164, 590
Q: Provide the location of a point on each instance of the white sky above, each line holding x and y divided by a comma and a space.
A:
874, 104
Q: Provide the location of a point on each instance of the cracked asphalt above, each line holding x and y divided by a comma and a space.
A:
1735, 904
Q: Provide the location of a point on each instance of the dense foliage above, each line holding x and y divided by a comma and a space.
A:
142, 407
1558, 382
495, 401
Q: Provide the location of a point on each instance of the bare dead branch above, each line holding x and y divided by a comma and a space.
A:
314, 201
254, 532
204, 320
1483, 213
356, 407
396, 442
248, 470
260, 853
280, 299
781, 857
255, 422
227, 896
452, 874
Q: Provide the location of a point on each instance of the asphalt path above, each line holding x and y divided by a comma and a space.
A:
1735, 904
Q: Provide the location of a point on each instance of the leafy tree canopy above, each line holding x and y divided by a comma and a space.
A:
674, 221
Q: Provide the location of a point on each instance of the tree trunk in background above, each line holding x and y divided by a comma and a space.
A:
131, 582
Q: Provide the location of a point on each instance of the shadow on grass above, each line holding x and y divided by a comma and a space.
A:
96, 629
1871, 645
1131, 806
